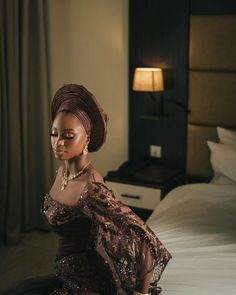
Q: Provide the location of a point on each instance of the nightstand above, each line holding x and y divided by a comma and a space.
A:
141, 196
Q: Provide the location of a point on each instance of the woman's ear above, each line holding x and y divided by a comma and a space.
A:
88, 139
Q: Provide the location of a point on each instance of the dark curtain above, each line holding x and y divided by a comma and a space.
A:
26, 162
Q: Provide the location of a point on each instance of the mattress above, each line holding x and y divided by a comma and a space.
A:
197, 224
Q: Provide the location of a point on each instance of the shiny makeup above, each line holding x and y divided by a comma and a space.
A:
68, 136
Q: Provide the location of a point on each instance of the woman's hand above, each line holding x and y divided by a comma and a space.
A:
138, 293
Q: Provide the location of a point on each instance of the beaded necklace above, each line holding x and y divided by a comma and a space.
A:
66, 179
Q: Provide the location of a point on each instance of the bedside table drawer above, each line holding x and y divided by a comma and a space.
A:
136, 196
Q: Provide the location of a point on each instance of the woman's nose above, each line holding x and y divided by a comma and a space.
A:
60, 142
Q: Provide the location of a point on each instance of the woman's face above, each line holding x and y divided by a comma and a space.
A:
68, 136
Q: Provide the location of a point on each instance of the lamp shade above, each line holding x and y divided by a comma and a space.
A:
148, 79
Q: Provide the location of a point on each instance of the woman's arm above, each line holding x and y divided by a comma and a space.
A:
138, 293
134, 248
143, 285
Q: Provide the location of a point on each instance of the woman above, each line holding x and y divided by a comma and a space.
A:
104, 248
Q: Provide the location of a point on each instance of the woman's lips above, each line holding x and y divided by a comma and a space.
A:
59, 151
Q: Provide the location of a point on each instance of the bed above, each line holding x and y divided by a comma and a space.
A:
197, 222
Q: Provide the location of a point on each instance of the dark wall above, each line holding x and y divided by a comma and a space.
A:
158, 37
213, 7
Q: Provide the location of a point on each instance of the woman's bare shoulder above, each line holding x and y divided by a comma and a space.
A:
95, 176
87, 181
94, 182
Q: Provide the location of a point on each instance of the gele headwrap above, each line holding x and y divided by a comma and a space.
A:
77, 100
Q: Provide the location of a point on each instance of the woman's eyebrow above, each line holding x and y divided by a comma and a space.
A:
67, 129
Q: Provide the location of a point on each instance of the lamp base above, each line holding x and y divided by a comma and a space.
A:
156, 107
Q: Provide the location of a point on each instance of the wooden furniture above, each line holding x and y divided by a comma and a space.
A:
142, 196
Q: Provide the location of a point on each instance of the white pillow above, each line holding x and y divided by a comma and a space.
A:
227, 136
221, 179
223, 159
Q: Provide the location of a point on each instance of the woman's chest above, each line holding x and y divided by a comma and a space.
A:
58, 213
68, 196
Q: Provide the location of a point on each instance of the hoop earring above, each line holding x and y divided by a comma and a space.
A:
85, 150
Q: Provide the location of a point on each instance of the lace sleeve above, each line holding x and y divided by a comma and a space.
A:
135, 252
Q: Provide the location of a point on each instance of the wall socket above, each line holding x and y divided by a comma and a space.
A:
155, 151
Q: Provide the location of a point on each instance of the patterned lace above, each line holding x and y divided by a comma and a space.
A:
58, 213
124, 249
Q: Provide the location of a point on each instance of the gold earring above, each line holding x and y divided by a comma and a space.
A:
85, 150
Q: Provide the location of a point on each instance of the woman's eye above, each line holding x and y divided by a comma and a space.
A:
53, 134
66, 136
69, 135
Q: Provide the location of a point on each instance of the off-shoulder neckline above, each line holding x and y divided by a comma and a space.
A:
81, 194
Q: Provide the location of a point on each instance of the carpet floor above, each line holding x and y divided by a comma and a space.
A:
33, 256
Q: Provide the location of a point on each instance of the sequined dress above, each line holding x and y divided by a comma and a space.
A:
103, 248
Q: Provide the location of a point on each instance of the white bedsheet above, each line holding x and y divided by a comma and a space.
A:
197, 224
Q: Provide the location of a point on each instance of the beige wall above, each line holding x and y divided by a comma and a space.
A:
89, 46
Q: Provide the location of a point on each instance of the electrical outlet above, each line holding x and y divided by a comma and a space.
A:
155, 151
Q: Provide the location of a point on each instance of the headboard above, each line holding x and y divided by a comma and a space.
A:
212, 87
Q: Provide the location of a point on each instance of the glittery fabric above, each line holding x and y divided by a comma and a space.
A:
119, 250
